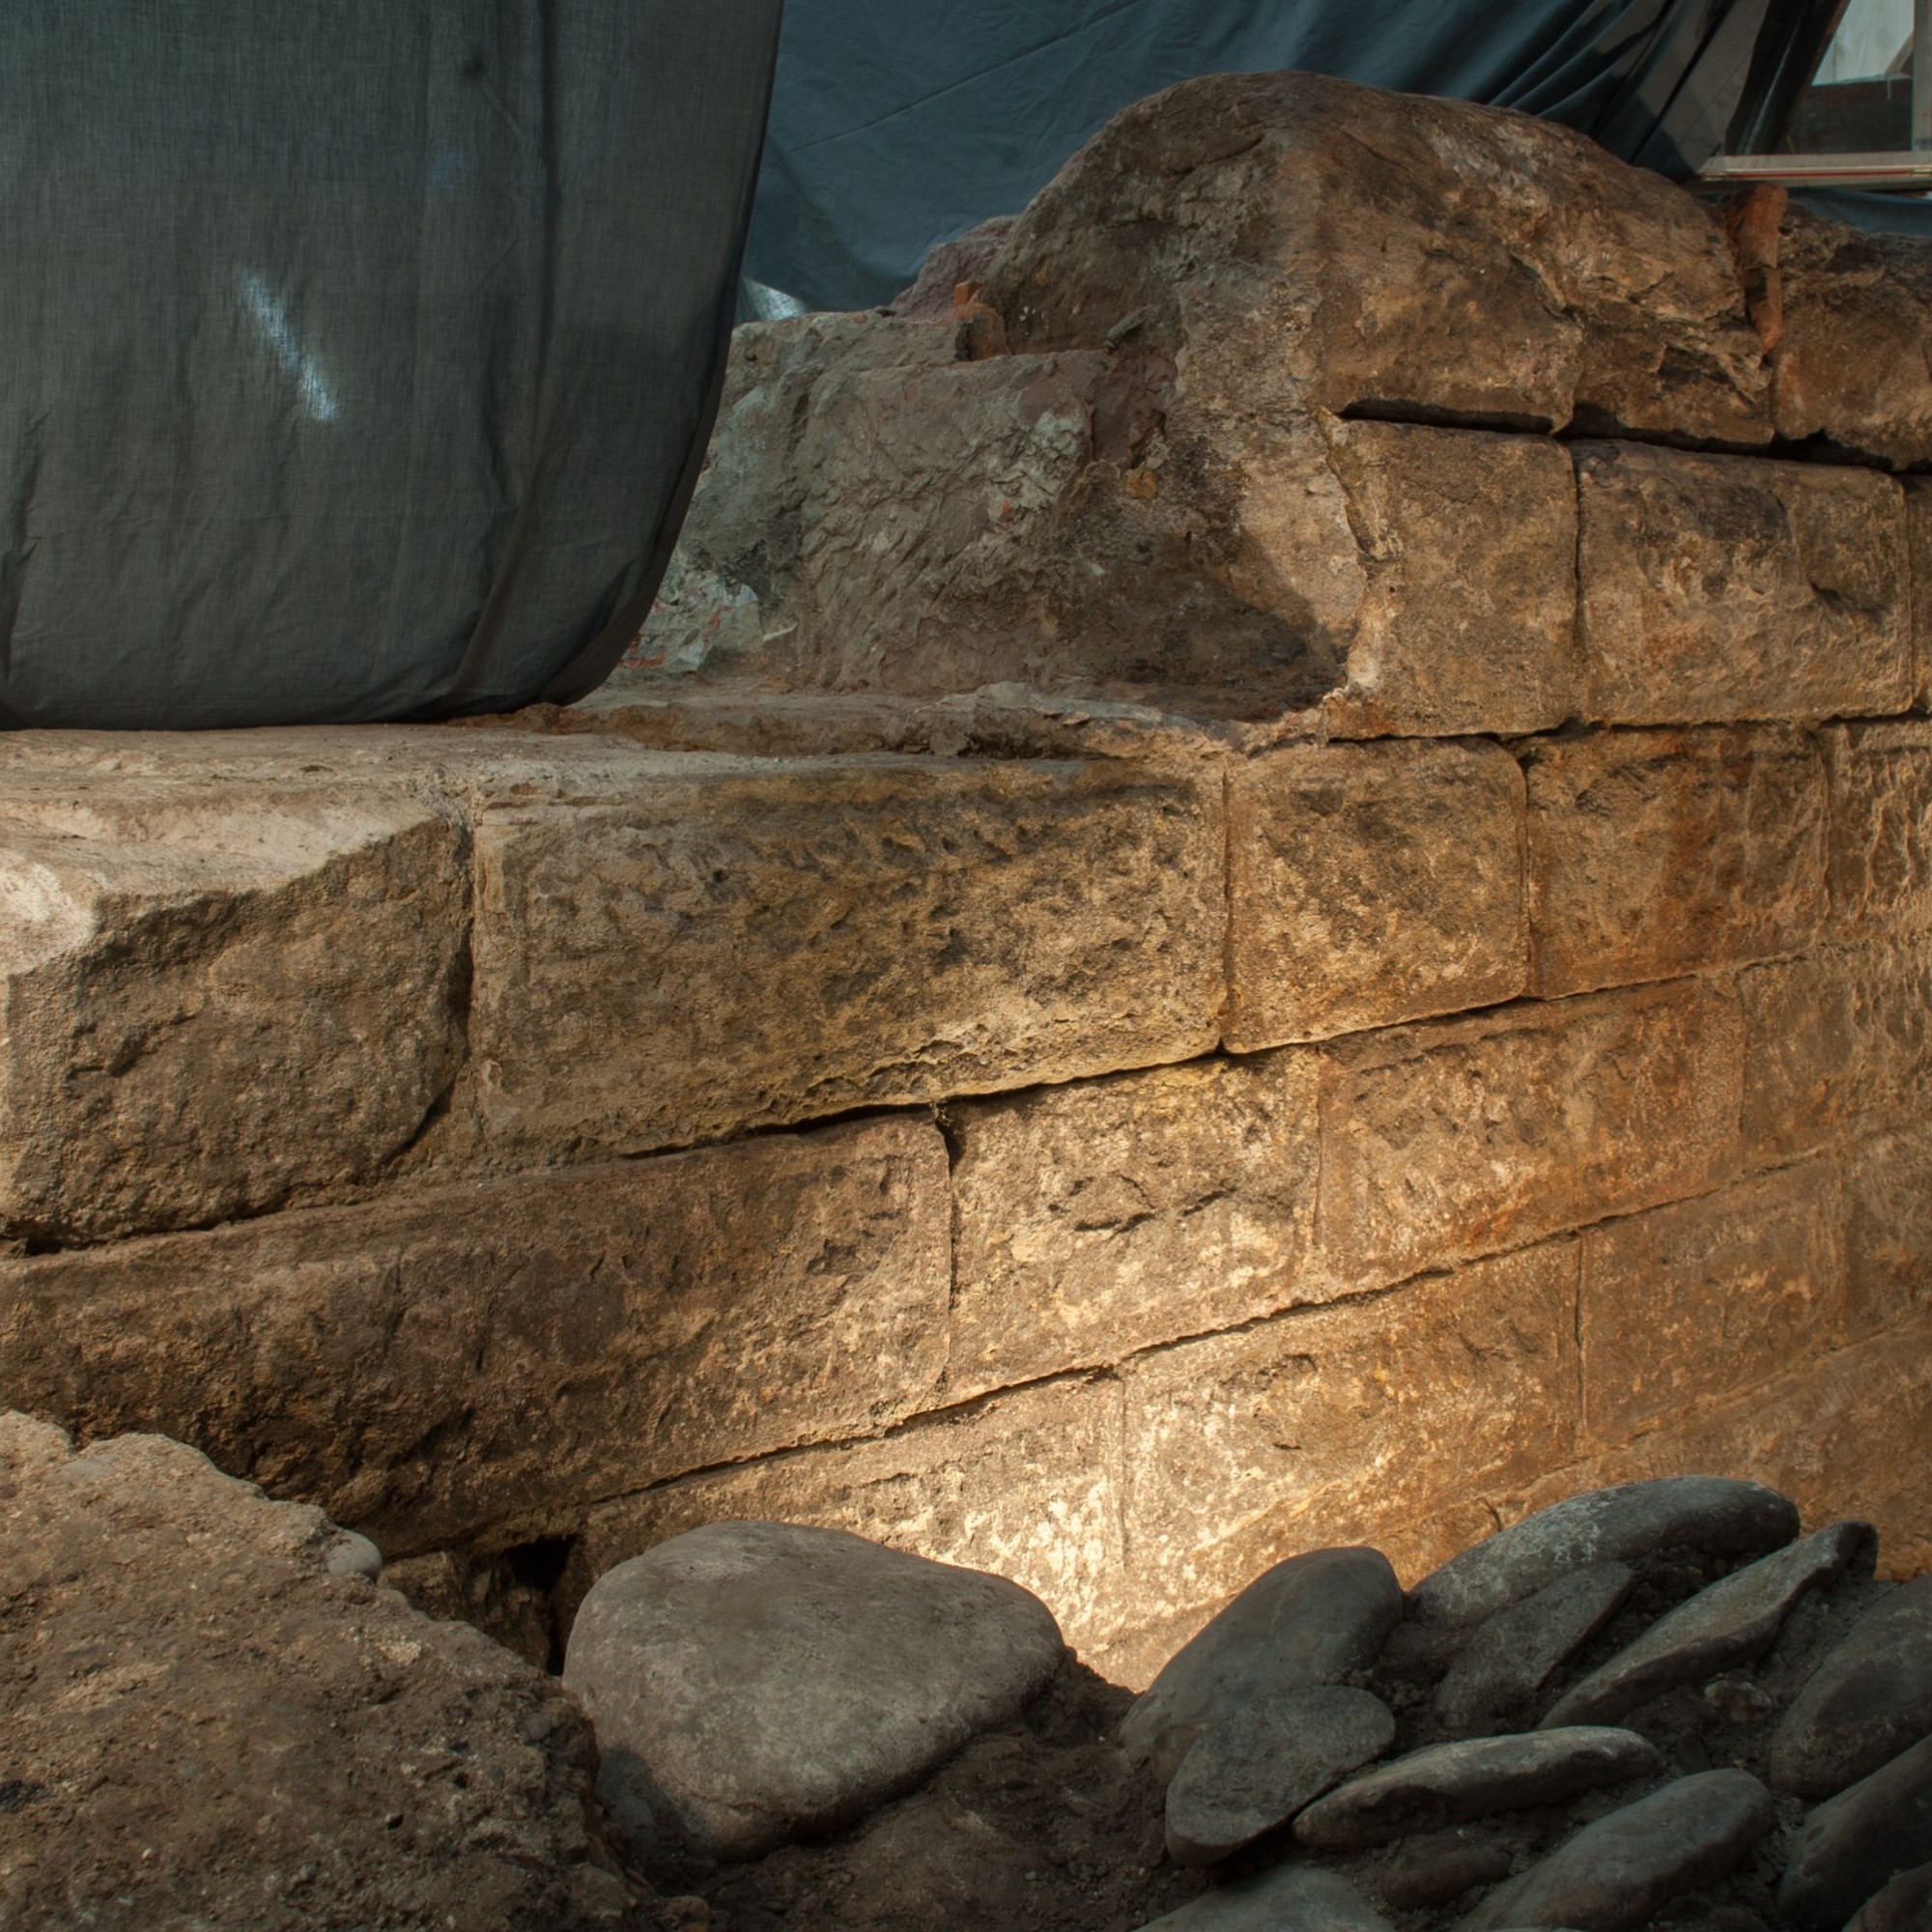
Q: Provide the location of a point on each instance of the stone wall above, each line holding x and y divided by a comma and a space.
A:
1275, 887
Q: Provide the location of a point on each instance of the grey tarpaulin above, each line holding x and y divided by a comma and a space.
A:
898, 124
354, 358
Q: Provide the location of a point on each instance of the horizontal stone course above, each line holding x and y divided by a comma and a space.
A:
1652, 853
668, 955
1839, 1040
1719, 587
1696, 1301
431, 1366
1455, 1138
1099, 1218
1371, 884
1244, 1448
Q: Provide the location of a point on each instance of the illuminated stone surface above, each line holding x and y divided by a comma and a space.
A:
1371, 884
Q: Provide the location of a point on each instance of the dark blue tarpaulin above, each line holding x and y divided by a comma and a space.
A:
900, 123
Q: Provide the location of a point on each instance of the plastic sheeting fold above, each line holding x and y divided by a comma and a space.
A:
355, 359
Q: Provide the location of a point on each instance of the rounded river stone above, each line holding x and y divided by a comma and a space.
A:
1511, 1657
1614, 1874
1905, 1905
1868, 1700
1310, 1620
1733, 1620
1852, 1845
1475, 1778
1714, 1514
1258, 1763
755, 1681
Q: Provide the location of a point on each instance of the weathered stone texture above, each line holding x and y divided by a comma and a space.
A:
1455, 1138
219, 999
1025, 1484
1844, 1435
1881, 859
1691, 1303
1840, 1037
1652, 853
1888, 1231
1918, 540
1853, 365
1098, 1218
1466, 620
1371, 884
1318, 1426
1715, 587
1072, 521
431, 1366
681, 953
1304, 241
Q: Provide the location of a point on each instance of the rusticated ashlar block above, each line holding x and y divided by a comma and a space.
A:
427, 1367
1093, 1219
219, 999
1652, 853
667, 950
1888, 1231
1457, 1138
1838, 1040
1309, 242
1025, 1484
1467, 613
1080, 522
1880, 817
1853, 365
1694, 1302
1718, 588
1325, 1422
1371, 884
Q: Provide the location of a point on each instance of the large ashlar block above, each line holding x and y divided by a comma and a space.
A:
668, 950
1026, 1484
1371, 884
1467, 615
1888, 1231
1300, 241
1853, 365
1652, 853
1099, 1218
428, 1367
1321, 1424
218, 998
1881, 859
1076, 522
1843, 1434
1715, 587
1457, 1138
1838, 1040
1694, 1302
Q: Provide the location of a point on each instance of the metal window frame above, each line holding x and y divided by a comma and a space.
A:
1793, 40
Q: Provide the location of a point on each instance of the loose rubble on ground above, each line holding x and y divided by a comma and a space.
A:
1654, 1706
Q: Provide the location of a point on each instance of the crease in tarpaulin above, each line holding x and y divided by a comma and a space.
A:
1655, 80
